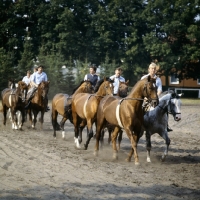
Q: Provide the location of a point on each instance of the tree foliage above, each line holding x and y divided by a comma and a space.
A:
109, 33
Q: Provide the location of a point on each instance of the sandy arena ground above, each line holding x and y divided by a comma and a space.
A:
34, 165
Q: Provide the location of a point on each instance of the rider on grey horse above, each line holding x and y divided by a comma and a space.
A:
152, 73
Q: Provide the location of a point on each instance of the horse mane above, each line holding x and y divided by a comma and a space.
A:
74, 90
22, 84
96, 88
171, 92
137, 83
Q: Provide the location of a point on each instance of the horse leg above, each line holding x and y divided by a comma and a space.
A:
148, 145
81, 127
167, 142
110, 130
19, 119
76, 127
29, 112
9, 114
34, 118
134, 138
90, 133
102, 137
54, 115
14, 119
114, 138
41, 120
4, 115
119, 138
62, 125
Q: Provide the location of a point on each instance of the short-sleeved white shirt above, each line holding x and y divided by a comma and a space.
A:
27, 80
38, 78
116, 82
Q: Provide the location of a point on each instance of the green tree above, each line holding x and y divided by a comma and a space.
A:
172, 36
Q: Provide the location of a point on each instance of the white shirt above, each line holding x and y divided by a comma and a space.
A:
38, 78
85, 78
27, 80
116, 82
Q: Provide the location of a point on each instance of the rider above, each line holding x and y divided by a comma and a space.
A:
27, 78
117, 78
36, 78
152, 73
92, 76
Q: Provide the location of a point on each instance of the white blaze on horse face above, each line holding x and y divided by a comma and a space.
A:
177, 105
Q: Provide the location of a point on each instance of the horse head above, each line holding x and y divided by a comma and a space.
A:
104, 87
150, 91
123, 89
44, 88
11, 83
87, 86
174, 106
22, 88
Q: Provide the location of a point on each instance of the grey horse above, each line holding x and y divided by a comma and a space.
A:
156, 120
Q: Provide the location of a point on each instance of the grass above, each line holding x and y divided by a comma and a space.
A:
190, 101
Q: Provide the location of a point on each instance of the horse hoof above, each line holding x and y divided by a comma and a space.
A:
96, 153
63, 134
115, 156
128, 160
137, 163
162, 159
78, 146
148, 160
85, 146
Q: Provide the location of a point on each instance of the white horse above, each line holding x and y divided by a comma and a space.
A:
156, 120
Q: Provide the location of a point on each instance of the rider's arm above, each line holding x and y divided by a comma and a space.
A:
159, 86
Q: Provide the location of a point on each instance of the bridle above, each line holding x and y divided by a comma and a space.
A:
22, 94
44, 91
148, 96
106, 88
171, 111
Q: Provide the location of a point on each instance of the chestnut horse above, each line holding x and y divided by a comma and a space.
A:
61, 104
14, 99
39, 103
122, 92
126, 114
84, 109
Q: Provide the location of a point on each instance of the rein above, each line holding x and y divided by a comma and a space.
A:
139, 99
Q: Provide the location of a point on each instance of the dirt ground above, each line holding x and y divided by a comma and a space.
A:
34, 165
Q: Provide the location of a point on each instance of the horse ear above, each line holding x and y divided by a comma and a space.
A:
104, 78
127, 82
180, 95
149, 78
